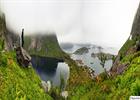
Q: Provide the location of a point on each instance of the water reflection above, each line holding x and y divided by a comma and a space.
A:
51, 69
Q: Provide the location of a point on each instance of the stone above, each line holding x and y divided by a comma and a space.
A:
23, 58
49, 85
46, 85
64, 94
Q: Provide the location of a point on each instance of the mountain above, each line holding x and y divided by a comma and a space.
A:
16, 82
43, 45
81, 51
24, 83
123, 80
131, 46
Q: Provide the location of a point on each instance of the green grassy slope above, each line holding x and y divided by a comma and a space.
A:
48, 44
120, 87
17, 82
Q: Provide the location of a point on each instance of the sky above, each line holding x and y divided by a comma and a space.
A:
101, 22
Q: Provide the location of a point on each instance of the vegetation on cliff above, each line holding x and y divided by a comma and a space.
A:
43, 45
123, 80
107, 87
18, 82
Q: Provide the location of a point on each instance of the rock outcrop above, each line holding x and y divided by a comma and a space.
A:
131, 46
23, 58
5, 34
46, 86
136, 24
81, 51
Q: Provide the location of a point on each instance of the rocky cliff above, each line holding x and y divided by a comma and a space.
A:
43, 45
136, 24
5, 34
16, 82
131, 46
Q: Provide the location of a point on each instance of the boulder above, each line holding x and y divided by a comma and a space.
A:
23, 58
49, 85
46, 86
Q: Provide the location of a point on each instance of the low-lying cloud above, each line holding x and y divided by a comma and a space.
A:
103, 22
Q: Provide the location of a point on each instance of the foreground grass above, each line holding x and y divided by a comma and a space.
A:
17, 82
120, 87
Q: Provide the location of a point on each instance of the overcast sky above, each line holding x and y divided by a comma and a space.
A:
102, 22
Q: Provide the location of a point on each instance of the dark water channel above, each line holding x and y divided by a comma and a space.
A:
51, 69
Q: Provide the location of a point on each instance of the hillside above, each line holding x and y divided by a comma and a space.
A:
24, 83
17, 82
123, 80
43, 45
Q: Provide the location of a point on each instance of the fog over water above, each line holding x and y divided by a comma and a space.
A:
101, 22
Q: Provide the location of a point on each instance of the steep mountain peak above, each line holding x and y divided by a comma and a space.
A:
136, 24
131, 46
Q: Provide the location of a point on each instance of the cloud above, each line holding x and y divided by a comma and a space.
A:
104, 22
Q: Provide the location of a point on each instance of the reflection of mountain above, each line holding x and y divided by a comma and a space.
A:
50, 69
45, 63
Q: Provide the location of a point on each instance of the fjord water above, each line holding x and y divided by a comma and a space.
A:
51, 69
88, 60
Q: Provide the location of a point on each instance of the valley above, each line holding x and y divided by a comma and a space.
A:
45, 69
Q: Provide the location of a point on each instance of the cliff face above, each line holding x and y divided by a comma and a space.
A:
8, 37
136, 24
16, 82
43, 45
131, 46
2, 28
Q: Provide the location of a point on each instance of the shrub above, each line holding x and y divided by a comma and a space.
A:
135, 88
